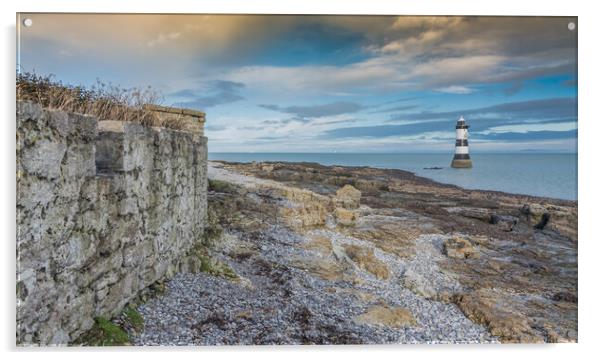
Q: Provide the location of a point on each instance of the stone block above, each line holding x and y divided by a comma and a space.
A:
43, 158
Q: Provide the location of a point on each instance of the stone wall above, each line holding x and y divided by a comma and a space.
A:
104, 209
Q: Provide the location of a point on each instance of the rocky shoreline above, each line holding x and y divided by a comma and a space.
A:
312, 254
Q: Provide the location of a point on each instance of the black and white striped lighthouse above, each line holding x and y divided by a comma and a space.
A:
461, 156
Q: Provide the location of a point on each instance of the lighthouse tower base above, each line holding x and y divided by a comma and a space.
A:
461, 163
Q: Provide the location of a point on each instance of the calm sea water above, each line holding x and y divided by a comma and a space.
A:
551, 175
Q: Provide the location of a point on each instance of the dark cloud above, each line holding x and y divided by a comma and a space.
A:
223, 92
316, 111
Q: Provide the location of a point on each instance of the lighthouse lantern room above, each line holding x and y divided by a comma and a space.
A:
461, 156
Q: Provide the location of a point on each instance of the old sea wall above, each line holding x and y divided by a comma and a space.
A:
104, 209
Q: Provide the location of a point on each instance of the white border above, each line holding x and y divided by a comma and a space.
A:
590, 119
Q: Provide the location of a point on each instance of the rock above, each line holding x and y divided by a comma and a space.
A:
490, 308
389, 234
475, 213
300, 208
324, 268
459, 248
365, 260
320, 244
419, 284
391, 316
267, 168
345, 217
480, 239
340, 254
348, 197
505, 222
538, 215
565, 296
362, 296
44, 158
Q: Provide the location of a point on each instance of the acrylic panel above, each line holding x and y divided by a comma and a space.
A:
200, 179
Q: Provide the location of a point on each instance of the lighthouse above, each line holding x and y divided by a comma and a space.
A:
461, 156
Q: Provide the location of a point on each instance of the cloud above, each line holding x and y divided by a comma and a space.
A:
322, 60
224, 92
396, 108
455, 89
527, 136
399, 53
316, 111
535, 116
540, 109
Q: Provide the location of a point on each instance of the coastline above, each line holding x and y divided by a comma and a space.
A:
418, 178
531, 174
348, 255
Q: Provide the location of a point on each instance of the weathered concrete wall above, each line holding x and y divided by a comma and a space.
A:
104, 209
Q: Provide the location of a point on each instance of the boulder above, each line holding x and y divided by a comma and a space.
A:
459, 248
505, 222
348, 197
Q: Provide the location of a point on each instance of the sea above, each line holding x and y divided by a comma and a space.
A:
539, 174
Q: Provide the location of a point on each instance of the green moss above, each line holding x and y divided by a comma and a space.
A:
133, 317
104, 333
217, 268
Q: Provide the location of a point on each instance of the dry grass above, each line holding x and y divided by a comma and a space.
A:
105, 101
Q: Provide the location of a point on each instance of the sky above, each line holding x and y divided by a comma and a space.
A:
383, 84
